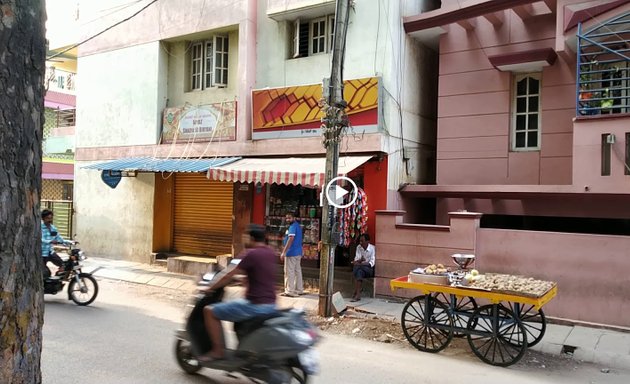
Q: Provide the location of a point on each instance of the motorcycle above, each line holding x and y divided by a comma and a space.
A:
82, 286
276, 348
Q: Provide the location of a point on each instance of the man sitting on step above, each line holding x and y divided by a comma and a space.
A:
363, 264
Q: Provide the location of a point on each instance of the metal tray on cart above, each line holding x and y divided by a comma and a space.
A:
498, 333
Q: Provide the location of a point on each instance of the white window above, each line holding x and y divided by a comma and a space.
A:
318, 38
209, 63
312, 37
526, 113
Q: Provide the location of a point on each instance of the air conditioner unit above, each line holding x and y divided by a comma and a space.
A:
610, 138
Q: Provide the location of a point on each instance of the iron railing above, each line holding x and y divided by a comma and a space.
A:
603, 68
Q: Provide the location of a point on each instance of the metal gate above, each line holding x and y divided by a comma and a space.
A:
202, 215
63, 213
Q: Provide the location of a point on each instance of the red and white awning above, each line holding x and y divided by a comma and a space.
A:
292, 170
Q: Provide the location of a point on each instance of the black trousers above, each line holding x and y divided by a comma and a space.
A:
53, 258
361, 272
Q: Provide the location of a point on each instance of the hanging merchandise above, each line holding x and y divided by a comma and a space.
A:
353, 220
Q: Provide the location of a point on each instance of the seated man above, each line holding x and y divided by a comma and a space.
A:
363, 264
259, 265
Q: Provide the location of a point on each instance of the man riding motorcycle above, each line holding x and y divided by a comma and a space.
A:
259, 265
50, 237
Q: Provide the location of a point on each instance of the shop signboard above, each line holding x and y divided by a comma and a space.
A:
208, 122
295, 111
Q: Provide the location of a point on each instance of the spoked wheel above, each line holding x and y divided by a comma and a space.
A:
533, 321
461, 308
185, 357
496, 336
84, 292
427, 324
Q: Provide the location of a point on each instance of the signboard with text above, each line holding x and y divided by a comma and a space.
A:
295, 111
208, 122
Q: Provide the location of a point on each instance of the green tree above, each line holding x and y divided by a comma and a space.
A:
22, 67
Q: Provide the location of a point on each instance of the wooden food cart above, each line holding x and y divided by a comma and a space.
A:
498, 332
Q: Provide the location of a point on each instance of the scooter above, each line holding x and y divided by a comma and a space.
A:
276, 348
82, 286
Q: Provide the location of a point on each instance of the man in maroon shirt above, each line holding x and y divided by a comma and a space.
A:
259, 265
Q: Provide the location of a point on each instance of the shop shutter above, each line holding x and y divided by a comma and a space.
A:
203, 215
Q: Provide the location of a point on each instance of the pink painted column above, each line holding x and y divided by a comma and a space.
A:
246, 70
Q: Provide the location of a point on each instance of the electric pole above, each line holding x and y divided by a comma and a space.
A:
334, 123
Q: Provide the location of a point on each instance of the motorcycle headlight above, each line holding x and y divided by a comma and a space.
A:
82, 255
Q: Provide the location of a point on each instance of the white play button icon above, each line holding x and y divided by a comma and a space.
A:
340, 193
336, 194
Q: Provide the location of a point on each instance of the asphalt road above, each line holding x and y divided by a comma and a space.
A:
126, 336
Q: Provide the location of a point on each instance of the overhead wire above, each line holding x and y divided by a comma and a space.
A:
103, 31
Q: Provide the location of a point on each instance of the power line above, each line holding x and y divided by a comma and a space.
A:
101, 32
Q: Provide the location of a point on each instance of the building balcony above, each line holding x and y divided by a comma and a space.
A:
280, 10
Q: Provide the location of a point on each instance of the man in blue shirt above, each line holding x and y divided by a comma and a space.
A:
292, 255
50, 236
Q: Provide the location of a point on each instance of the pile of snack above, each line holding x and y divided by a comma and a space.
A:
520, 284
434, 269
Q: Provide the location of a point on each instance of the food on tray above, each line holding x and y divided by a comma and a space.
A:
434, 269
527, 285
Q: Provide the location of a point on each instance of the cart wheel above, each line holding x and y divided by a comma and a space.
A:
496, 336
419, 319
461, 308
533, 321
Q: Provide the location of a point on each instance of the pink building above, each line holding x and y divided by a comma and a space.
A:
536, 143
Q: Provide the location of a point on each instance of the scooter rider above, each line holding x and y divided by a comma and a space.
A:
50, 236
259, 265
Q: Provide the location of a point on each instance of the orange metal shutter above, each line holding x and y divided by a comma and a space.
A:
203, 215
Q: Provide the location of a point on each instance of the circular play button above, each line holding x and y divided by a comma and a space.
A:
336, 194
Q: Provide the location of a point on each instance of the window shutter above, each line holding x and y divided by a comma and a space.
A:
304, 28
331, 31
220, 64
296, 38
208, 67
196, 64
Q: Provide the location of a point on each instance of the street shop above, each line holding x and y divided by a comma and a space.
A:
294, 185
500, 315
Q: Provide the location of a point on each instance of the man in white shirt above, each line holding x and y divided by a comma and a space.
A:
363, 264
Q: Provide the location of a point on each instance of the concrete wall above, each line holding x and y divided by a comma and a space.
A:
589, 270
166, 19
121, 97
114, 223
475, 106
592, 286
587, 154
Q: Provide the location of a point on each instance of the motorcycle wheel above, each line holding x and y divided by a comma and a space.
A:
83, 295
298, 376
185, 358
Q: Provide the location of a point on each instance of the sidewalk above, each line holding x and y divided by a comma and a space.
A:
605, 347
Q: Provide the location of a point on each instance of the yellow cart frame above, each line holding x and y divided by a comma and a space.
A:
498, 333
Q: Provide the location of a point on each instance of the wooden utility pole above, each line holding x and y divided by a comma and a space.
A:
333, 126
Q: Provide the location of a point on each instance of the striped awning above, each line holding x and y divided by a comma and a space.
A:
149, 164
290, 171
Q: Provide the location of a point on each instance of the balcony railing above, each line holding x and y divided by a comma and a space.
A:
603, 70
60, 80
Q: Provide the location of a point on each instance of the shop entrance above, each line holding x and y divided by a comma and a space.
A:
302, 202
